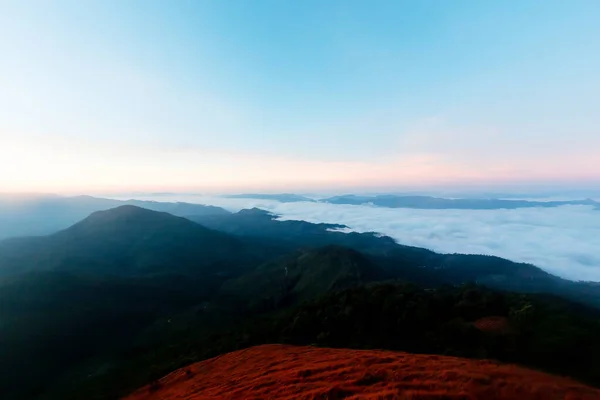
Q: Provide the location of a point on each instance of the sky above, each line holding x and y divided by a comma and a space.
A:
267, 95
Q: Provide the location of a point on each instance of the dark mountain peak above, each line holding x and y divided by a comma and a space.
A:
341, 261
126, 215
128, 210
129, 240
36, 215
302, 275
256, 212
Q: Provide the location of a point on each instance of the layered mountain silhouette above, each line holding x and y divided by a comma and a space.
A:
127, 240
437, 203
30, 215
283, 198
409, 263
128, 294
102, 279
421, 202
257, 223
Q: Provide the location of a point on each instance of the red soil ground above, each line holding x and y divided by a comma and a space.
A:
289, 372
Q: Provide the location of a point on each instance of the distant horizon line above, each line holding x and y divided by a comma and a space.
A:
440, 191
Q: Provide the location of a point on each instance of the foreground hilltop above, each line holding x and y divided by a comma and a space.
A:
292, 372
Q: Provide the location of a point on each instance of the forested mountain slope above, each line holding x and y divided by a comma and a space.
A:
161, 291
128, 240
404, 262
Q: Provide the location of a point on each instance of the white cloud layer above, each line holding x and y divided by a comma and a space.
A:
564, 241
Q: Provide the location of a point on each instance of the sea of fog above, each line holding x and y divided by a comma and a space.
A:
564, 240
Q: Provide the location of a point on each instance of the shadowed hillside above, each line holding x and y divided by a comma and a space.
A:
535, 331
52, 320
302, 276
408, 263
91, 288
127, 240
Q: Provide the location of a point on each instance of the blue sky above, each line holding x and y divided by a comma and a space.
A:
228, 95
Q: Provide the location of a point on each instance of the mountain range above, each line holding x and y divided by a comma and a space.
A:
423, 202
283, 198
436, 203
130, 241
29, 215
33, 215
409, 263
128, 294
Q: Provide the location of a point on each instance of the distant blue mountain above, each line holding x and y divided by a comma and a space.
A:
437, 203
419, 202
283, 198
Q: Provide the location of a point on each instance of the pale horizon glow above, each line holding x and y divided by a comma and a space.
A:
112, 96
